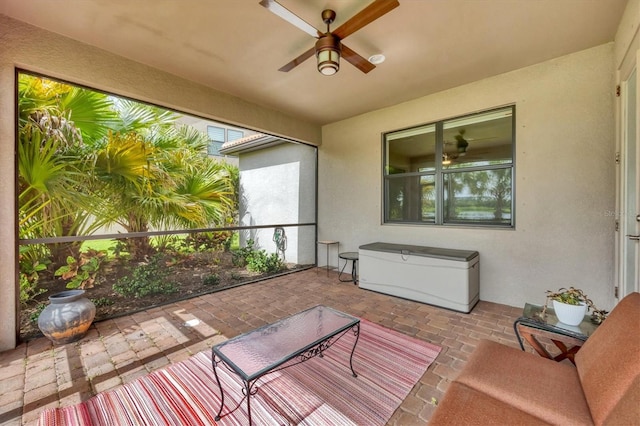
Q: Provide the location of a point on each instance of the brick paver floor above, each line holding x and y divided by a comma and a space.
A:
38, 374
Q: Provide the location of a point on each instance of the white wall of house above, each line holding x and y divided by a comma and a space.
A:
564, 185
33, 49
277, 186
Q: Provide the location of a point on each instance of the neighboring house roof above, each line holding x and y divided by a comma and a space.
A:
250, 143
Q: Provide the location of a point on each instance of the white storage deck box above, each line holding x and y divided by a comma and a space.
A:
441, 277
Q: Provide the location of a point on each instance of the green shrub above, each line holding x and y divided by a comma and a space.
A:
81, 272
262, 262
31, 264
36, 313
146, 279
241, 256
212, 241
257, 260
211, 280
102, 301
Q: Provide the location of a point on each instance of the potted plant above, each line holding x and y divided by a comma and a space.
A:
571, 305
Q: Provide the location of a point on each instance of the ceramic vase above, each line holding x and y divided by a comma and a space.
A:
67, 317
570, 314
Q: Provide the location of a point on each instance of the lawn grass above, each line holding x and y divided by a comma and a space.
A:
98, 245
107, 244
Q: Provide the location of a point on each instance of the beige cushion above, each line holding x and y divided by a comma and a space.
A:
463, 405
541, 387
609, 365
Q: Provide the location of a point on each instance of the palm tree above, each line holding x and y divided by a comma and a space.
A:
55, 122
491, 185
87, 160
156, 177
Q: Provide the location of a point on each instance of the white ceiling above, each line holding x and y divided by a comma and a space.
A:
237, 46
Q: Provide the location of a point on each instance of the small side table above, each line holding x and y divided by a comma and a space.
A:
328, 244
349, 256
569, 339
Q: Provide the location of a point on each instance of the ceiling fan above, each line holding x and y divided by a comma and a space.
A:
329, 48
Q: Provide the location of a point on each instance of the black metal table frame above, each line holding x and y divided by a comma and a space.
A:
354, 277
302, 355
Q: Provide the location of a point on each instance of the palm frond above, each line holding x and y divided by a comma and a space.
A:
92, 112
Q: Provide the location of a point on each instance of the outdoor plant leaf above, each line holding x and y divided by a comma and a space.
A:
574, 296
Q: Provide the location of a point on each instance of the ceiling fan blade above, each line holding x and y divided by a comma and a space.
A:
297, 61
278, 9
365, 17
356, 60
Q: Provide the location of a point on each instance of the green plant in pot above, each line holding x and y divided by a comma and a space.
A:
571, 305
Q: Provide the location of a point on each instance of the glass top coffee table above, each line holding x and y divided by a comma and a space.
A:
285, 343
569, 339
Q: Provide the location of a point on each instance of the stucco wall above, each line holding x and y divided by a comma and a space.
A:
564, 186
277, 186
31, 48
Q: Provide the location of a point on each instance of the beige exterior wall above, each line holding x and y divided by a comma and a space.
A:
564, 185
31, 48
278, 187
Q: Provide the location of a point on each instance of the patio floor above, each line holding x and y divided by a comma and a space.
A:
37, 374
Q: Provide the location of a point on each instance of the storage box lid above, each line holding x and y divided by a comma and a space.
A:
406, 249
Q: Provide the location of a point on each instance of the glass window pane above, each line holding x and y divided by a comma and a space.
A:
480, 139
411, 150
411, 199
215, 133
233, 135
214, 148
479, 197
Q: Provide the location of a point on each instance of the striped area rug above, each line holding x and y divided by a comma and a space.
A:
321, 391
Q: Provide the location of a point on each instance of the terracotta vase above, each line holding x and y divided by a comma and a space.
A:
68, 317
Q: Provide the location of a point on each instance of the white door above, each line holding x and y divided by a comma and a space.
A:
630, 199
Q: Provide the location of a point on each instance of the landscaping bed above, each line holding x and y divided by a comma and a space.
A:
181, 277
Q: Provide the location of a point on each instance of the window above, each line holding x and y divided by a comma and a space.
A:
232, 135
217, 138
471, 184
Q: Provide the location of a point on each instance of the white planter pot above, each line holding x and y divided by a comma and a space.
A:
570, 314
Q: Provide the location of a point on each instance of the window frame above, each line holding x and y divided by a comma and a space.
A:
439, 173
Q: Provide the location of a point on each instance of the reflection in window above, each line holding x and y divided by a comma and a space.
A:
479, 140
411, 150
456, 171
481, 197
411, 199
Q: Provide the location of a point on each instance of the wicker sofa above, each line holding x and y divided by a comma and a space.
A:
503, 385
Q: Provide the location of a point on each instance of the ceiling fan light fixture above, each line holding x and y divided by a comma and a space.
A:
328, 54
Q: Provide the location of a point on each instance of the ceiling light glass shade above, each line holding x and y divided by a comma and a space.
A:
328, 62
328, 54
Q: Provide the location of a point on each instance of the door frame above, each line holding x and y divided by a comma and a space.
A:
628, 68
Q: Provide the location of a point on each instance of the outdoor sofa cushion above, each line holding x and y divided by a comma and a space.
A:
503, 385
